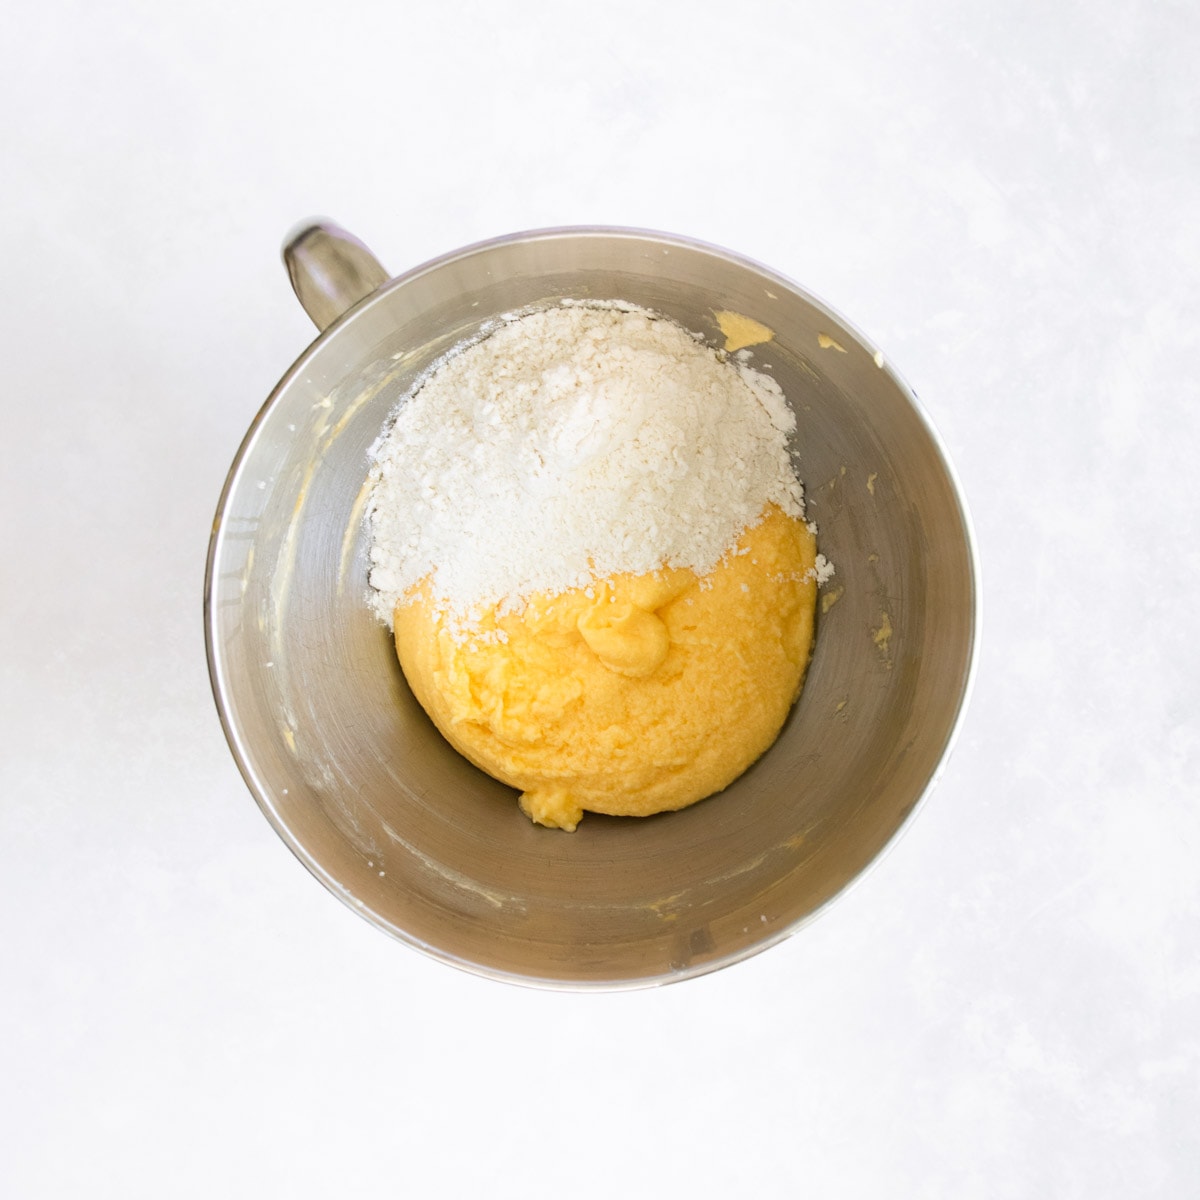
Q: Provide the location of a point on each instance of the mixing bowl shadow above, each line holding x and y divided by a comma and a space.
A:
362, 788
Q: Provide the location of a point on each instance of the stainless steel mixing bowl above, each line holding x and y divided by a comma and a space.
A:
356, 780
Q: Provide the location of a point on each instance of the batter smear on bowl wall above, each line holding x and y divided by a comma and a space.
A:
588, 537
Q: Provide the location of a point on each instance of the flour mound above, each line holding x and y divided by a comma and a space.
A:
568, 445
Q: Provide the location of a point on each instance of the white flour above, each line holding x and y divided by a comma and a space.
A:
570, 444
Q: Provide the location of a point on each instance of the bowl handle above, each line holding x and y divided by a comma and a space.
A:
330, 270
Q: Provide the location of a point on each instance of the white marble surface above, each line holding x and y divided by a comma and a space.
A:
1006, 196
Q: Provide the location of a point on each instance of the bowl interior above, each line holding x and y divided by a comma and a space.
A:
358, 782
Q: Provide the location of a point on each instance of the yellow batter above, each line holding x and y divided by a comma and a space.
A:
741, 331
640, 695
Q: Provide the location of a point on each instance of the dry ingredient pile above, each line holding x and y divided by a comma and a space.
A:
589, 540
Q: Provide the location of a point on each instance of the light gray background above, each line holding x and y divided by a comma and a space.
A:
1005, 196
